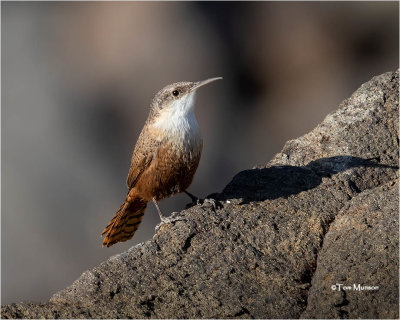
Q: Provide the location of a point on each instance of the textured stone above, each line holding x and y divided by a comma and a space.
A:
323, 211
361, 248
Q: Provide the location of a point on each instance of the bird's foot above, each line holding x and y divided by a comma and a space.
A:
194, 203
170, 219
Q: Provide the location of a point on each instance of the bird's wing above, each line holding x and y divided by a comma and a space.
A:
143, 154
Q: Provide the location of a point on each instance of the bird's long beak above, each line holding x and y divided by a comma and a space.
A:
202, 83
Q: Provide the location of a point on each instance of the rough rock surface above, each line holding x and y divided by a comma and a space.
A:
323, 212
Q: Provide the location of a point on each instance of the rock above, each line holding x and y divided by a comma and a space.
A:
360, 249
272, 244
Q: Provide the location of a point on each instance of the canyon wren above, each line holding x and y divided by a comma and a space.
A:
164, 160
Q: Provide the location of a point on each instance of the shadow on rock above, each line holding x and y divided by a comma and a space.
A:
283, 181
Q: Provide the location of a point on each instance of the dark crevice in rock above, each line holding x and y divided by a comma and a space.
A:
344, 302
149, 305
309, 272
188, 242
343, 314
242, 312
354, 187
113, 293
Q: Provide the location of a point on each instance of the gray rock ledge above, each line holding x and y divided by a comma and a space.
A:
323, 212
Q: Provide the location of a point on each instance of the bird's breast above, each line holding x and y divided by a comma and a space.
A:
176, 159
180, 130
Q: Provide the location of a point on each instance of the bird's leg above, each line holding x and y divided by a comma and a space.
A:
162, 217
165, 219
195, 200
193, 197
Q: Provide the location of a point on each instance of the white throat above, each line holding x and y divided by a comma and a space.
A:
179, 122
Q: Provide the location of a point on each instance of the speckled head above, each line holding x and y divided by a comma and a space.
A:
177, 97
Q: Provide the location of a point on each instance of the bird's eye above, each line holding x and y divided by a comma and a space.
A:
175, 93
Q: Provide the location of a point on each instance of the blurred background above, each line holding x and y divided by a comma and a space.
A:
77, 81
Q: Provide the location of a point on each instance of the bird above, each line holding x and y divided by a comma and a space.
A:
164, 160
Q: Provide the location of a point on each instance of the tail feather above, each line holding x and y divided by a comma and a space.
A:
126, 221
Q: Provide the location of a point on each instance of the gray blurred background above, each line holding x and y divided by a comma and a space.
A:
77, 81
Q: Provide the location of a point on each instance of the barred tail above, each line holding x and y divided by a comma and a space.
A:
126, 221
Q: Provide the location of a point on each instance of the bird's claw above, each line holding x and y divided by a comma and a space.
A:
170, 219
